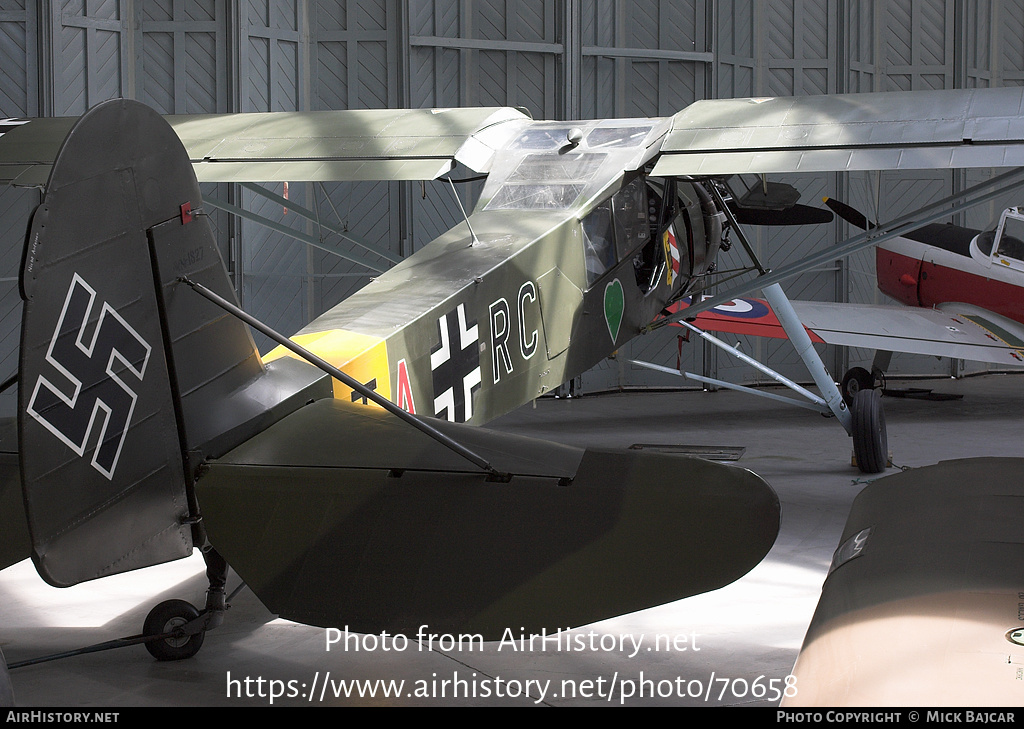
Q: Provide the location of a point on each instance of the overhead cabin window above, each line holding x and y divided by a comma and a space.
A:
540, 137
546, 182
599, 247
617, 136
534, 197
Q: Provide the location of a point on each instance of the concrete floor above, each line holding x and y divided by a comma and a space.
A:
747, 631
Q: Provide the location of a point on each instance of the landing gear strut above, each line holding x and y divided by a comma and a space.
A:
182, 626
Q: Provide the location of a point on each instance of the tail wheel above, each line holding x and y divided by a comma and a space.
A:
855, 380
870, 442
168, 617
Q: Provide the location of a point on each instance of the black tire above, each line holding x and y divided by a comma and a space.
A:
855, 380
164, 618
870, 442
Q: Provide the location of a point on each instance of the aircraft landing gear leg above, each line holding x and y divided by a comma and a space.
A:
870, 442
182, 627
217, 574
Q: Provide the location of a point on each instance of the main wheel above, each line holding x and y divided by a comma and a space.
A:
166, 618
870, 442
855, 380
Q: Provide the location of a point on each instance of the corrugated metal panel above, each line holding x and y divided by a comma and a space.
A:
274, 268
182, 65
18, 97
90, 58
354, 66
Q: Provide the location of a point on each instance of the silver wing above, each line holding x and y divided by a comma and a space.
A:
845, 132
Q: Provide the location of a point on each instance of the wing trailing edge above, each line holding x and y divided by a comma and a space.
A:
952, 330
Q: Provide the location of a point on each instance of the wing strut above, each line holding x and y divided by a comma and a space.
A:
347, 380
798, 336
314, 217
291, 232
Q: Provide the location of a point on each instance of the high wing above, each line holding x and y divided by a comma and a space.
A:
302, 146
846, 132
951, 330
840, 132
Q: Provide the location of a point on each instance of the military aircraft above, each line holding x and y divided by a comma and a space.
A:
175, 433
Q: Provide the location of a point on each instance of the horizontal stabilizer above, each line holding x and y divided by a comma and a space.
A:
922, 603
340, 515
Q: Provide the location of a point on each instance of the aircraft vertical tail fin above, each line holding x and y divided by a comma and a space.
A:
123, 373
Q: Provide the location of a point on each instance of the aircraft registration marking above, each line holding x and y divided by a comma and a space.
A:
405, 398
501, 326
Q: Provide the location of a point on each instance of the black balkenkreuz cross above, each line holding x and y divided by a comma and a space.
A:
371, 385
455, 366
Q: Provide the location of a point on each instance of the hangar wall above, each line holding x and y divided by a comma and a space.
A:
563, 59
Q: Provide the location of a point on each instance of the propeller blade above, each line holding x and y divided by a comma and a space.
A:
796, 215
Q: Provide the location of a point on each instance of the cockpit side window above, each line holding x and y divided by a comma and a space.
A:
632, 227
1011, 242
599, 246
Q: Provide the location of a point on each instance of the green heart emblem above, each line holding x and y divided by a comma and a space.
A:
614, 306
